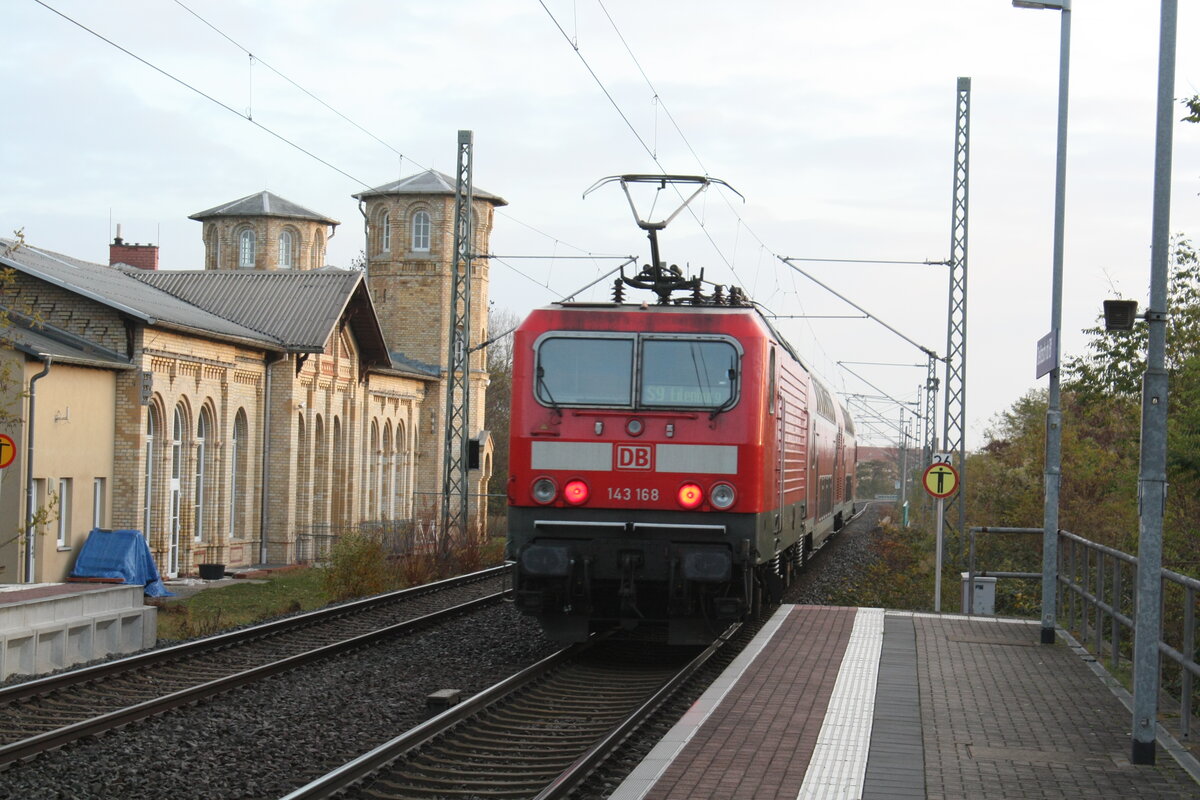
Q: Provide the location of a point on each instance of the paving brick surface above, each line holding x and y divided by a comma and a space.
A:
964, 709
758, 743
1005, 717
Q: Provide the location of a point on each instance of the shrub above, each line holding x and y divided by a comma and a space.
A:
358, 566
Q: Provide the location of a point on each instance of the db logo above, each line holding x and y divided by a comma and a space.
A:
635, 456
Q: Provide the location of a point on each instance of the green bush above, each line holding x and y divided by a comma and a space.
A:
358, 566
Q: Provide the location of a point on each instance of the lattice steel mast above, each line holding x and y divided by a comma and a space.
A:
931, 393
953, 439
456, 456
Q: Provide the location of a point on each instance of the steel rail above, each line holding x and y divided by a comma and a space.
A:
50, 683
561, 785
577, 772
372, 761
49, 740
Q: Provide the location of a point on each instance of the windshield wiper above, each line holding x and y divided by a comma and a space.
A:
728, 404
542, 387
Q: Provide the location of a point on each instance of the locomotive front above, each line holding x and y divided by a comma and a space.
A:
637, 459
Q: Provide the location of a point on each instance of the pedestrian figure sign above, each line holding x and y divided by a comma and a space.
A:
940, 480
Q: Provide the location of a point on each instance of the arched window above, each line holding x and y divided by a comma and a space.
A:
400, 483
286, 250
239, 458
420, 231
320, 515
303, 478
387, 472
176, 492
318, 251
246, 249
385, 232
201, 477
212, 248
339, 498
151, 471
373, 455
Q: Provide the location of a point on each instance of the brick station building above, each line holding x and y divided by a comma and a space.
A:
245, 412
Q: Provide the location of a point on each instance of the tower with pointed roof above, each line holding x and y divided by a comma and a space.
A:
410, 255
264, 231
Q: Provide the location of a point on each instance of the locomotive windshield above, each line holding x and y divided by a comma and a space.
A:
681, 372
631, 371
574, 371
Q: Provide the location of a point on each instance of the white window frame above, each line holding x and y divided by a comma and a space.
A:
99, 496
422, 228
286, 250
385, 232
202, 429
235, 465
64, 512
148, 511
246, 245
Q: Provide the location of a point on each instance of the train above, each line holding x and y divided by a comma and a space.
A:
671, 463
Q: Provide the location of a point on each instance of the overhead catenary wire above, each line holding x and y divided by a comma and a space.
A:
343, 116
249, 117
203, 94
259, 59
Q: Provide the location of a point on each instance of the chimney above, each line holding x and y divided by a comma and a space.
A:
142, 256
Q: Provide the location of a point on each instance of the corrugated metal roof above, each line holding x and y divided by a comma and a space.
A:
117, 288
428, 182
62, 346
263, 204
284, 310
300, 309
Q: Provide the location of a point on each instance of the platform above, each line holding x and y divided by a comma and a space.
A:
46, 627
861, 703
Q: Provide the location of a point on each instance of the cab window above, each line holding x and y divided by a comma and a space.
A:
582, 371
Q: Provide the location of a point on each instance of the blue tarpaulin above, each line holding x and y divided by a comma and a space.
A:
119, 554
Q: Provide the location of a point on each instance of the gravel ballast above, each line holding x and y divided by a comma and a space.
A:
266, 740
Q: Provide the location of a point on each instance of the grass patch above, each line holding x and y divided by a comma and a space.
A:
215, 610
358, 569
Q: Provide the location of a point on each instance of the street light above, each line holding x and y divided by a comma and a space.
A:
1152, 472
1053, 468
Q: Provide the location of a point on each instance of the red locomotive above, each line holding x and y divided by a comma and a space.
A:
669, 463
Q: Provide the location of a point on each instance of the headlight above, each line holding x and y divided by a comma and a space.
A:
544, 491
722, 496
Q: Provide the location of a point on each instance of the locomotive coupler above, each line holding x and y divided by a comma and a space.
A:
630, 561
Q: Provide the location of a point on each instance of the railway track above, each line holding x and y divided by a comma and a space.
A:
536, 734
50, 712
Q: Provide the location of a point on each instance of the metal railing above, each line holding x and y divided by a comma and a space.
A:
314, 543
1097, 595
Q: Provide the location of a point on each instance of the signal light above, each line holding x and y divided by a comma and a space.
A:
690, 496
722, 496
576, 492
544, 491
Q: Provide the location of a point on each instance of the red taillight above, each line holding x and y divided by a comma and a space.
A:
575, 492
690, 496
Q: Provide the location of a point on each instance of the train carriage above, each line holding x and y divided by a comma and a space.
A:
668, 464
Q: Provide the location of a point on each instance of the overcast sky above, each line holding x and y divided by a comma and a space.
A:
835, 121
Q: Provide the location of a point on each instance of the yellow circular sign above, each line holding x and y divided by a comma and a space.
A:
8, 450
940, 480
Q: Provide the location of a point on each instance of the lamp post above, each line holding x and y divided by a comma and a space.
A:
1053, 468
1152, 474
